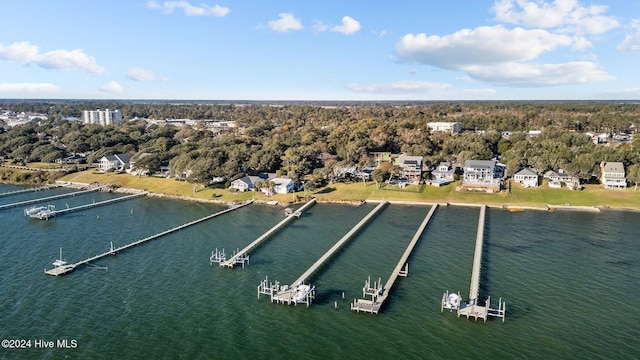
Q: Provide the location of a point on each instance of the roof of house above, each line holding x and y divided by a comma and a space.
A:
613, 167
123, 158
478, 164
249, 180
527, 172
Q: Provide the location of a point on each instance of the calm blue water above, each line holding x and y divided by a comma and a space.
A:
571, 282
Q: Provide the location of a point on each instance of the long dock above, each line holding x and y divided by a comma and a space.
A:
473, 308
67, 268
49, 213
241, 256
54, 197
300, 292
379, 295
40, 188
477, 257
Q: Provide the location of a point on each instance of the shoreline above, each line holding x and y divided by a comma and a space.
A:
508, 207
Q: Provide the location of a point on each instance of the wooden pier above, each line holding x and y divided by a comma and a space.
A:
40, 188
61, 196
379, 294
240, 256
473, 308
67, 268
51, 212
300, 292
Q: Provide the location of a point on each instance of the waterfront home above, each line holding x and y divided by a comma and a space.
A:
283, 185
483, 175
527, 177
612, 175
245, 183
410, 167
444, 173
117, 162
556, 179
72, 159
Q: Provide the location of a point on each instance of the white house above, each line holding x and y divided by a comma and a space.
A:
612, 175
557, 178
117, 162
527, 177
283, 185
244, 183
485, 174
444, 172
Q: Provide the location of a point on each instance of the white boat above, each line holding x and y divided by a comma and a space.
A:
452, 302
59, 262
34, 210
302, 291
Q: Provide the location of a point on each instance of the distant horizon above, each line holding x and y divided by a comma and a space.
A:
286, 102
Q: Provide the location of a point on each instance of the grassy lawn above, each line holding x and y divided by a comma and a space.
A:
592, 195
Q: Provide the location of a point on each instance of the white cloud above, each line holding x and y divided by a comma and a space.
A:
483, 45
111, 87
632, 41
65, 60
348, 27
404, 87
502, 56
568, 16
28, 88
189, 10
140, 74
532, 75
285, 23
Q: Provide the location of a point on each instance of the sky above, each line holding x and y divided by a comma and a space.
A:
320, 50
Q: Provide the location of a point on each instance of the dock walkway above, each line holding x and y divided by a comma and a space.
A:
241, 256
473, 308
22, 191
378, 297
65, 269
300, 292
46, 214
54, 197
339, 244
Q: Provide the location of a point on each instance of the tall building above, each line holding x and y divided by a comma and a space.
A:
440, 126
102, 117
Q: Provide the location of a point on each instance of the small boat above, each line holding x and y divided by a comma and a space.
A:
301, 293
452, 302
34, 210
59, 262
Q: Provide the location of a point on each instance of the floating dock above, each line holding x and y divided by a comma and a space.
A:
50, 211
41, 188
379, 294
473, 308
61, 196
300, 292
67, 268
241, 257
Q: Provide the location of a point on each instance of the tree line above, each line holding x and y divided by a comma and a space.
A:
309, 141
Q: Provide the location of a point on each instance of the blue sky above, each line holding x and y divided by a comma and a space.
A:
321, 50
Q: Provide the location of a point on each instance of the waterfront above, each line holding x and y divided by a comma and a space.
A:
569, 278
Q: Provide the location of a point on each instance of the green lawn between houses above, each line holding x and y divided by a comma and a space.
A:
592, 195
